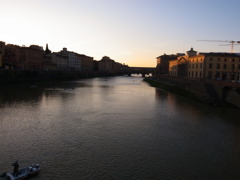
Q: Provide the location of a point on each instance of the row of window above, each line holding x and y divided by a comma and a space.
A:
224, 66
225, 59
195, 74
173, 73
195, 66
223, 75
195, 60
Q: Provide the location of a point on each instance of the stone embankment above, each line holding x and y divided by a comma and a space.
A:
212, 92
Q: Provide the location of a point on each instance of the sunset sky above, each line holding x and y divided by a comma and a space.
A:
133, 32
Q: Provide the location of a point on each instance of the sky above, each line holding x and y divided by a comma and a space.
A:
133, 32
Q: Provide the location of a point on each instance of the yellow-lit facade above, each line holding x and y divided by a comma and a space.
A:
196, 67
173, 64
214, 66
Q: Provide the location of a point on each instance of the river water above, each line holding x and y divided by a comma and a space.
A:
116, 128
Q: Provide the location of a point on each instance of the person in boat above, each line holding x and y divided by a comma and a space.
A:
16, 168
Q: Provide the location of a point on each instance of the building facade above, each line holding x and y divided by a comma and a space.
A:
74, 62
48, 63
14, 57
163, 63
86, 63
33, 58
61, 61
2, 53
106, 65
214, 66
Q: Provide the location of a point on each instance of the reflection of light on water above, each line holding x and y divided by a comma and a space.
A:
140, 75
119, 121
136, 75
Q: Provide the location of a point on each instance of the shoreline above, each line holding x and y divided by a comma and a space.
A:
12, 77
198, 95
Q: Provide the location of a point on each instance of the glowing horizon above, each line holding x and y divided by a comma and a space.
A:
133, 32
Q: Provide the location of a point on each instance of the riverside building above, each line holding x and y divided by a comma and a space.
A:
2, 52
213, 66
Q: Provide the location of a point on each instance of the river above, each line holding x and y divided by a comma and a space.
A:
116, 128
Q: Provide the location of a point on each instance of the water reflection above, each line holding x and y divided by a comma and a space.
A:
11, 94
116, 128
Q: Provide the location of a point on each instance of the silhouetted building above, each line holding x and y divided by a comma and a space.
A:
48, 63
95, 65
117, 67
2, 53
61, 61
14, 57
86, 63
47, 51
33, 58
107, 65
74, 62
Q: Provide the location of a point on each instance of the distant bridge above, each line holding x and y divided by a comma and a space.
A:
139, 70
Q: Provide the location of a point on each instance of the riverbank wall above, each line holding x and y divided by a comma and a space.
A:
215, 93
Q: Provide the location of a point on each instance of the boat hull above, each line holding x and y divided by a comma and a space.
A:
24, 173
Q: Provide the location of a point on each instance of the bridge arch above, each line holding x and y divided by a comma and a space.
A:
139, 70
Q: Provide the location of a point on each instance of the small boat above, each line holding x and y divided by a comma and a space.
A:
24, 173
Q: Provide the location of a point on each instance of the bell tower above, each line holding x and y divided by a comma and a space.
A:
47, 51
191, 52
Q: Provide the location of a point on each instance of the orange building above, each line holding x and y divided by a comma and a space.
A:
163, 63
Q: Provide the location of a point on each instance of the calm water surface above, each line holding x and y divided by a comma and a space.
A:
116, 128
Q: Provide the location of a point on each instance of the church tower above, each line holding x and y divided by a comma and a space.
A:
47, 51
191, 53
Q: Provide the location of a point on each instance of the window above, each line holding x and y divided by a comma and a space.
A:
233, 60
239, 66
196, 74
196, 65
210, 66
200, 65
218, 66
225, 60
219, 59
224, 66
209, 74
233, 66
200, 75
211, 58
